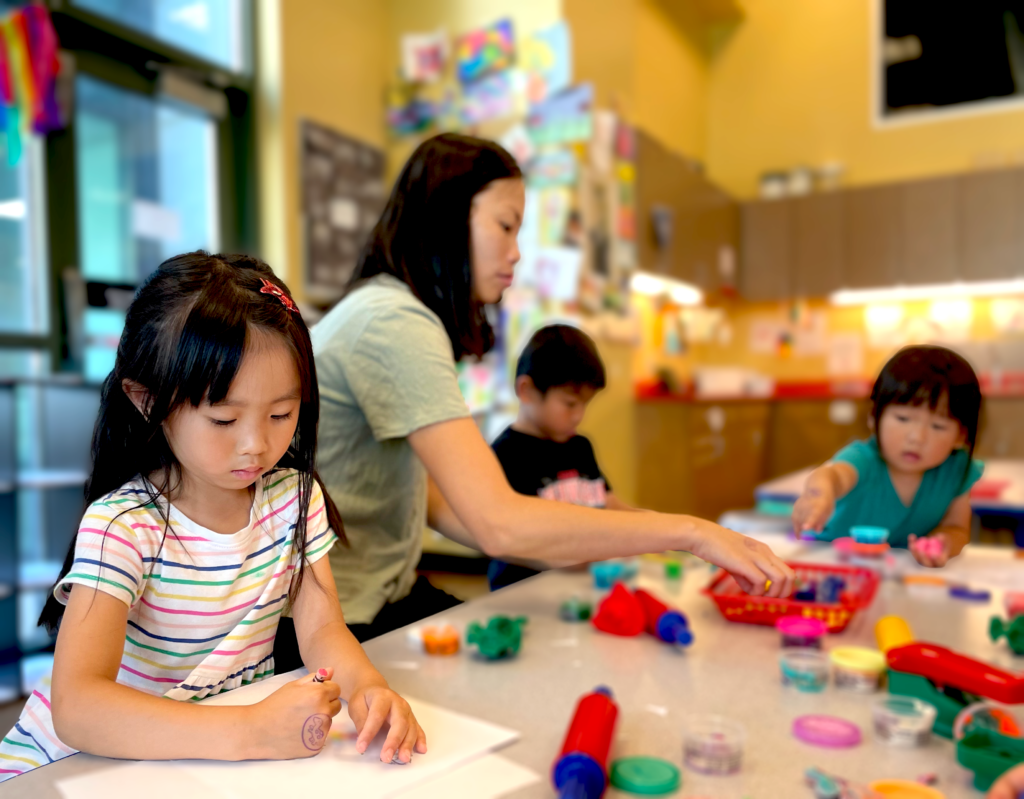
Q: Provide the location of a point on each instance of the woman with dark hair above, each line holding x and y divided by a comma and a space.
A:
392, 413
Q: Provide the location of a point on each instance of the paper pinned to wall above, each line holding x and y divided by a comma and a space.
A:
553, 271
846, 355
424, 56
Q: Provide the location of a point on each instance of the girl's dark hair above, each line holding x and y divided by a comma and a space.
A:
924, 375
184, 338
423, 236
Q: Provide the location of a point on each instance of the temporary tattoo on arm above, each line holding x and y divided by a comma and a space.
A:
314, 731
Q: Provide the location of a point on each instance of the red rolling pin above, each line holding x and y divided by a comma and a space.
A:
581, 770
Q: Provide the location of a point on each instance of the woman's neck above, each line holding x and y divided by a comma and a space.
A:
219, 510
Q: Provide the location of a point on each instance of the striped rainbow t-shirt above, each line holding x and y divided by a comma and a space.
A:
203, 607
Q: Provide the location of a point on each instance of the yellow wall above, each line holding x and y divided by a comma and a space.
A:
792, 86
645, 66
332, 70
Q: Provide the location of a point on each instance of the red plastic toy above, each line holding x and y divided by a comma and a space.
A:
735, 605
620, 613
945, 667
581, 769
664, 623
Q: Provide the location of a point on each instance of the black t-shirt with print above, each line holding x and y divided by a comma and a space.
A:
540, 467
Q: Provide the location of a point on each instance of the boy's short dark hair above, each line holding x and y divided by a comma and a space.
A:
561, 355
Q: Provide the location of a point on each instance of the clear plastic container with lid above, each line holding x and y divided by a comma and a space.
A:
903, 720
713, 744
804, 669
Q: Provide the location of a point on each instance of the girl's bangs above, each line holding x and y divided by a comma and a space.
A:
210, 349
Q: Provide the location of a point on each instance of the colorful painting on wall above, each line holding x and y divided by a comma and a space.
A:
484, 51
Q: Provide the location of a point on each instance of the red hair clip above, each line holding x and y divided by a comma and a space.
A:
277, 291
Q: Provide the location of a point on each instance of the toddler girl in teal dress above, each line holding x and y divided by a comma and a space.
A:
913, 475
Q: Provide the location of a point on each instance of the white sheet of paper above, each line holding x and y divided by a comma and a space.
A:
488, 777
454, 740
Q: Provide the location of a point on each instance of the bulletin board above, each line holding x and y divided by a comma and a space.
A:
343, 194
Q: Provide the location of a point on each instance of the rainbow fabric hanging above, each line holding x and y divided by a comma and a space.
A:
28, 76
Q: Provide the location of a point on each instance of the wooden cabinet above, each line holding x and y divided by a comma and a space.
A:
700, 458
930, 231
805, 433
819, 251
767, 245
990, 232
967, 227
874, 237
704, 219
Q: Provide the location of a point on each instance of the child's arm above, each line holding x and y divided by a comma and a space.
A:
1009, 786
826, 484
954, 531
93, 713
323, 638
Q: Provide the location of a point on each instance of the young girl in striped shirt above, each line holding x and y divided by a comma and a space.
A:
204, 521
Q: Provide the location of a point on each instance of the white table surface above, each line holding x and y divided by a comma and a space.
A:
731, 669
788, 487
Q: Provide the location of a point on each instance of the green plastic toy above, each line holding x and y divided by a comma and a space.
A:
1013, 630
988, 754
499, 639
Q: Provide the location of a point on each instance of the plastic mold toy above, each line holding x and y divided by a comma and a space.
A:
501, 637
1013, 630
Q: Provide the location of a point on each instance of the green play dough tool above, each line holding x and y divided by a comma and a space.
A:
644, 775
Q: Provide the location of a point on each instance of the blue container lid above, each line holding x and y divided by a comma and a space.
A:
864, 534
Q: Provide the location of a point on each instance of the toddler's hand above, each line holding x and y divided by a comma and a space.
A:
752, 563
930, 550
1009, 786
294, 721
370, 706
813, 509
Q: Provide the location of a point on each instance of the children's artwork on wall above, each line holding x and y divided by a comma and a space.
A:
492, 97
1007, 314
553, 166
484, 51
343, 195
407, 112
424, 56
555, 205
565, 117
553, 271
518, 142
547, 59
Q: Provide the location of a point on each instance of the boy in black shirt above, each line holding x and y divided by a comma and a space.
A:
557, 375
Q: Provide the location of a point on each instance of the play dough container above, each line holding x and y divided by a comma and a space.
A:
713, 745
857, 668
804, 669
869, 535
903, 720
904, 789
797, 631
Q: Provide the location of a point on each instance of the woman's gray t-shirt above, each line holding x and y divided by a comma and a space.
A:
385, 369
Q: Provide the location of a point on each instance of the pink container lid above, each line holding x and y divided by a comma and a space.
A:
800, 627
830, 731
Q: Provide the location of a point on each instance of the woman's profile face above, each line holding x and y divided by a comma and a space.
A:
494, 220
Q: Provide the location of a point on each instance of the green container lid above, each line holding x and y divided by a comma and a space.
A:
645, 775
673, 570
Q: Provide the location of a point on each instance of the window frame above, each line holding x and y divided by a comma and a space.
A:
128, 59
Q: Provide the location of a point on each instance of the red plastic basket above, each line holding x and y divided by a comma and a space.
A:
861, 585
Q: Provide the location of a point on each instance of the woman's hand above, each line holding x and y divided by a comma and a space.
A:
1009, 786
293, 721
930, 550
370, 706
752, 563
814, 508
